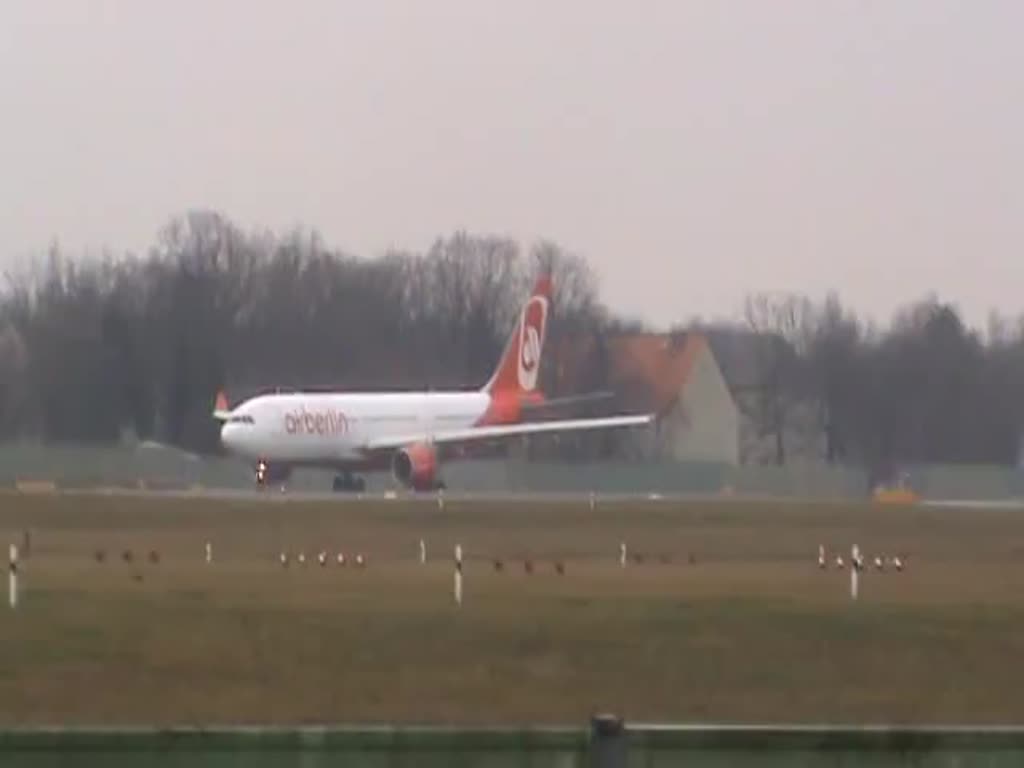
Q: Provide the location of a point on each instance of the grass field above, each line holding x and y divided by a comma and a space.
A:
748, 629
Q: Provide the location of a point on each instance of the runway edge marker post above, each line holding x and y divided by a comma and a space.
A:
12, 575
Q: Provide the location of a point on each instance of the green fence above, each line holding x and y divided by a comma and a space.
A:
79, 466
85, 466
605, 744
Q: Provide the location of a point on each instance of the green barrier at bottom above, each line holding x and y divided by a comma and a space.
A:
606, 743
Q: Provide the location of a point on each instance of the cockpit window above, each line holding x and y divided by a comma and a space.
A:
241, 419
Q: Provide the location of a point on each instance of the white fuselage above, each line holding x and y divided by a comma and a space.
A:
328, 428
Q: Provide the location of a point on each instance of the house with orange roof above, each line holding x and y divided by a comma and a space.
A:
674, 375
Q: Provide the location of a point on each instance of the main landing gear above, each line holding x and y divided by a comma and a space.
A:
347, 482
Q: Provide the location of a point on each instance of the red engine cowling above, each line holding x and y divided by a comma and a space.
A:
416, 467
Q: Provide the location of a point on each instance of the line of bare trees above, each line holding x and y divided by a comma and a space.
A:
91, 350
926, 389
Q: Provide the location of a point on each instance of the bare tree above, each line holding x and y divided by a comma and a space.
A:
782, 325
834, 368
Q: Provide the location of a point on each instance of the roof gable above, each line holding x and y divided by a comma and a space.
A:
649, 371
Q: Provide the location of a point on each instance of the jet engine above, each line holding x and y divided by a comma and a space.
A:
416, 467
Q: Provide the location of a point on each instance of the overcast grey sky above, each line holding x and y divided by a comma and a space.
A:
693, 151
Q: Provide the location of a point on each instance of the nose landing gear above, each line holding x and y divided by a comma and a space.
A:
271, 474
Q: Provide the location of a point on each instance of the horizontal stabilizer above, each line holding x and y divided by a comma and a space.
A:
221, 409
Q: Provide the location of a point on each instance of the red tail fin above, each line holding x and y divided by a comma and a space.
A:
517, 371
221, 409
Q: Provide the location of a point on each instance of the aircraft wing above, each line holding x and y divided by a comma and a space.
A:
505, 430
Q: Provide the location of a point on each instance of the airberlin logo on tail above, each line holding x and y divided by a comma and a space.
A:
325, 422
531, 341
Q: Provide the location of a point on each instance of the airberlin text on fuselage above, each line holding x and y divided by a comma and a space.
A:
326, 422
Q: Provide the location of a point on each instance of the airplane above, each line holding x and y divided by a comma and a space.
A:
404, 432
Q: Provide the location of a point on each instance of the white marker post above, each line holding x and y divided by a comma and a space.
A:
821, 556
423, 552
855, 564
209, 552
622, 554
12, 570
458, 574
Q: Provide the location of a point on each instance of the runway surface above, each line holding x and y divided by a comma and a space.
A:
278, 496
517, 497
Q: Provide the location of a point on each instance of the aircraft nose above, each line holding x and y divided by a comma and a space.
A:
229, 436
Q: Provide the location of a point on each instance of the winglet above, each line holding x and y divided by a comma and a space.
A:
221, 409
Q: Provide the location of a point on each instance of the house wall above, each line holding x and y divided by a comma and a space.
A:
702, 425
